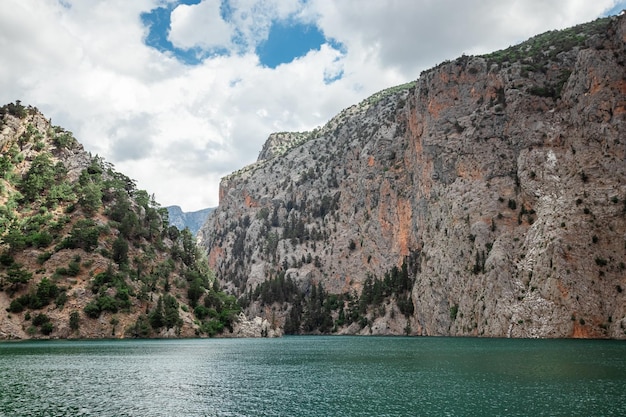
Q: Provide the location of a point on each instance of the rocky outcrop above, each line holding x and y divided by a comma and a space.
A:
255, 327
501, 179
279, 143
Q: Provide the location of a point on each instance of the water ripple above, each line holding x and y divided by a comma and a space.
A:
313, 376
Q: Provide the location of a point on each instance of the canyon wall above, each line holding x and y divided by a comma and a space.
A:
500, 181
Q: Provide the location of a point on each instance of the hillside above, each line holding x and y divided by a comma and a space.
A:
85, 254
486, 198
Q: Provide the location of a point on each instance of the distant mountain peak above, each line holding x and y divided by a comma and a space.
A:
192, 220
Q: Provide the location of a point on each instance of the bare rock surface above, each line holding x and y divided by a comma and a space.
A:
502, 177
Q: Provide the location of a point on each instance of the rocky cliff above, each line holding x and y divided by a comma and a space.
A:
496, 184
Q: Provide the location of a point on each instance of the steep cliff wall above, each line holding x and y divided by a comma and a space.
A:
500, 180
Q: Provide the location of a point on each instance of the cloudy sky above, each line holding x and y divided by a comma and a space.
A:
178, 93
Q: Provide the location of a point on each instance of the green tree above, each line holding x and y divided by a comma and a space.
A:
212, 327
201, 312
46, 291
16, 239
171, 315
61, 300
16, 109
47, 328
74, 320
155, 317
129, 227
64, 140
5, 165
16, 306
454, 310
84, 235
153, 223
39, 178
73, 268
294, 318
60, 192
92, 310
142, 198
16, 275
122, 296
120, 251
140, 328
195, 291
40, 319
90, 197
107, 303
120, 207
190, 250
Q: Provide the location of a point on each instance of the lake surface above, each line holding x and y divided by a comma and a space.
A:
314, 376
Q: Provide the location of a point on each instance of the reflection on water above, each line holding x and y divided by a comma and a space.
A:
313, 376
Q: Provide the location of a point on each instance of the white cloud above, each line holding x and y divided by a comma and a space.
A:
199, 25
253, 18
407, 35
247, 24
177, 129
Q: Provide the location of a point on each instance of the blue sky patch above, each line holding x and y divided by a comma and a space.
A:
621, 5
331, 78
158, 23
288, 41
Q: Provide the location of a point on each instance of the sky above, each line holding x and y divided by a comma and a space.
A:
176, 94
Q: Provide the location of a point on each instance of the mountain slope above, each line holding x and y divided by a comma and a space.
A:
487, 198
84, 253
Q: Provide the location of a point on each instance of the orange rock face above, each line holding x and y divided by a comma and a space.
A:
491, 174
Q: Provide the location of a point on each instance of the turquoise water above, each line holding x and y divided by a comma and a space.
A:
314, 376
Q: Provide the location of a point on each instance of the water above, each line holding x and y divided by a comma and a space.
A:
314, 376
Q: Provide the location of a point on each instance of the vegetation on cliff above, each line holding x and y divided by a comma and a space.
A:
84, 253
316, 310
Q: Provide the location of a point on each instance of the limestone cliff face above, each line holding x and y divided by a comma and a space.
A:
501, 178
